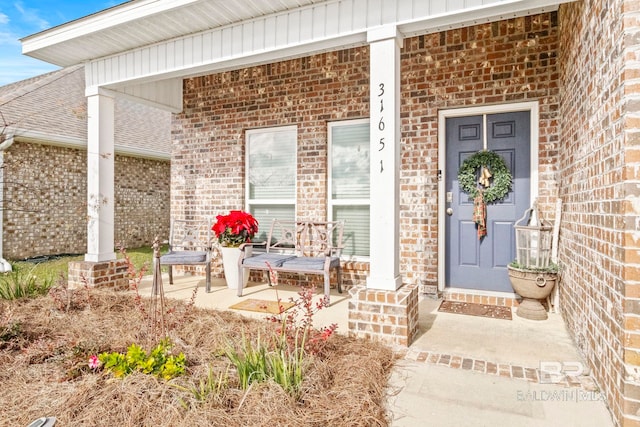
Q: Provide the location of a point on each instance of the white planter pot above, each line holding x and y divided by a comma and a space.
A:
230, 257
532, 287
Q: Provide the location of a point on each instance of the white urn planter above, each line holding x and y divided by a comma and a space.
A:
532, 286
230, 257
533, 276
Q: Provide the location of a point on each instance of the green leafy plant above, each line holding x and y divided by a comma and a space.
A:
551, 268
296, 324
21, 283
159, 362
284, 358
211, 385
288, 364
269, 361
250, 361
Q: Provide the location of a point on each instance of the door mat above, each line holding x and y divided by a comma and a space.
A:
473, 309
263, 306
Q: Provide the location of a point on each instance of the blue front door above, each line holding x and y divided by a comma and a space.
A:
482, 264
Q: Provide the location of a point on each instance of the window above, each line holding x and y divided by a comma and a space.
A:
349, 182
271, 175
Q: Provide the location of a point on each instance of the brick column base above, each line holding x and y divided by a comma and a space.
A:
387, 316
106, 273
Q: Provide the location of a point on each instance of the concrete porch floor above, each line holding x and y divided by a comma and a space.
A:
221, 297
460, 370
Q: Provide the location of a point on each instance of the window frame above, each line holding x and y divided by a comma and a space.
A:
248, 201
331, 202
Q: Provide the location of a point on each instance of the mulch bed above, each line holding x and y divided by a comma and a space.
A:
44, 350
473, 309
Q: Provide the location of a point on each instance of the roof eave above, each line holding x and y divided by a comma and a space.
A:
35, 45
45, 138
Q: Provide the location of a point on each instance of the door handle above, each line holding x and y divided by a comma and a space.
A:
449, 211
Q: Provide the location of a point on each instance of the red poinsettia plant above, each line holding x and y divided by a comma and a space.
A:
236, 228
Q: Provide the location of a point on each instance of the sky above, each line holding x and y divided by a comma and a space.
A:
21, 18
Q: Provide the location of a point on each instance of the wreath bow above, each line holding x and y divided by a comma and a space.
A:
480, 215
485, 176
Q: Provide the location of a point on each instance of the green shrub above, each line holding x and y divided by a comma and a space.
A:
285, 359
212, 385
22, 283
159, 362
287, 366
250, 362
277, 362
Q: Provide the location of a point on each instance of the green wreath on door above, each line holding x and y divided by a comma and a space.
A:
473, 168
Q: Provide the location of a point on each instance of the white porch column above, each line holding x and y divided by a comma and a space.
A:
385, 43
4, 145
100, 175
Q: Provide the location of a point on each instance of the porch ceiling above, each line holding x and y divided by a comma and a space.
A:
138, 23
142, 49
142, 22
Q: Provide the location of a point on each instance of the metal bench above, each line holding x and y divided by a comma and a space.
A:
189, 244
306, 247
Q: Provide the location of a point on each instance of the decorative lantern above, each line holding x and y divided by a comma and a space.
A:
533, 241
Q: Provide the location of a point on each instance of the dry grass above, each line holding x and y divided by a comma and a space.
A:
43, 371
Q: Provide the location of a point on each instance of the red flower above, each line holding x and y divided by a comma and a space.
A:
236, 228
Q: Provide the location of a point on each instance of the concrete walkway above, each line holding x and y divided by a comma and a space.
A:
461, 370
475, 371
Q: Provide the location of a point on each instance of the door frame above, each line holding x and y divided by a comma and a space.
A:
533, 108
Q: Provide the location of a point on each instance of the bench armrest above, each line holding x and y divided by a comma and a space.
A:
333, 251
250, 244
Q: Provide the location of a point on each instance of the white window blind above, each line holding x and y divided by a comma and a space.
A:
349, 182
265, 214
271, 175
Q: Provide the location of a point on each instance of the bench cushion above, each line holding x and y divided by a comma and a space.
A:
183, 257
260, 260
309, 263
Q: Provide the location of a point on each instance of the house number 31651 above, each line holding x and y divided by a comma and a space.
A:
381, 122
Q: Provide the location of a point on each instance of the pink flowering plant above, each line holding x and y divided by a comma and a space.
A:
94, 362
286, 358
296, 325
236, 228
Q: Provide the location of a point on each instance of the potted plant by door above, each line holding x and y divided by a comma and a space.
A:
532, 275
232, 230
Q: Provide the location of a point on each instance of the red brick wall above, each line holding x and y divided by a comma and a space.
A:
107, 273
600, 285
630, 91
508, 61
142, 188
208, 146
45, 200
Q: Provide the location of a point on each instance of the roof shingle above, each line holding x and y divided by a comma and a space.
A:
55, 104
